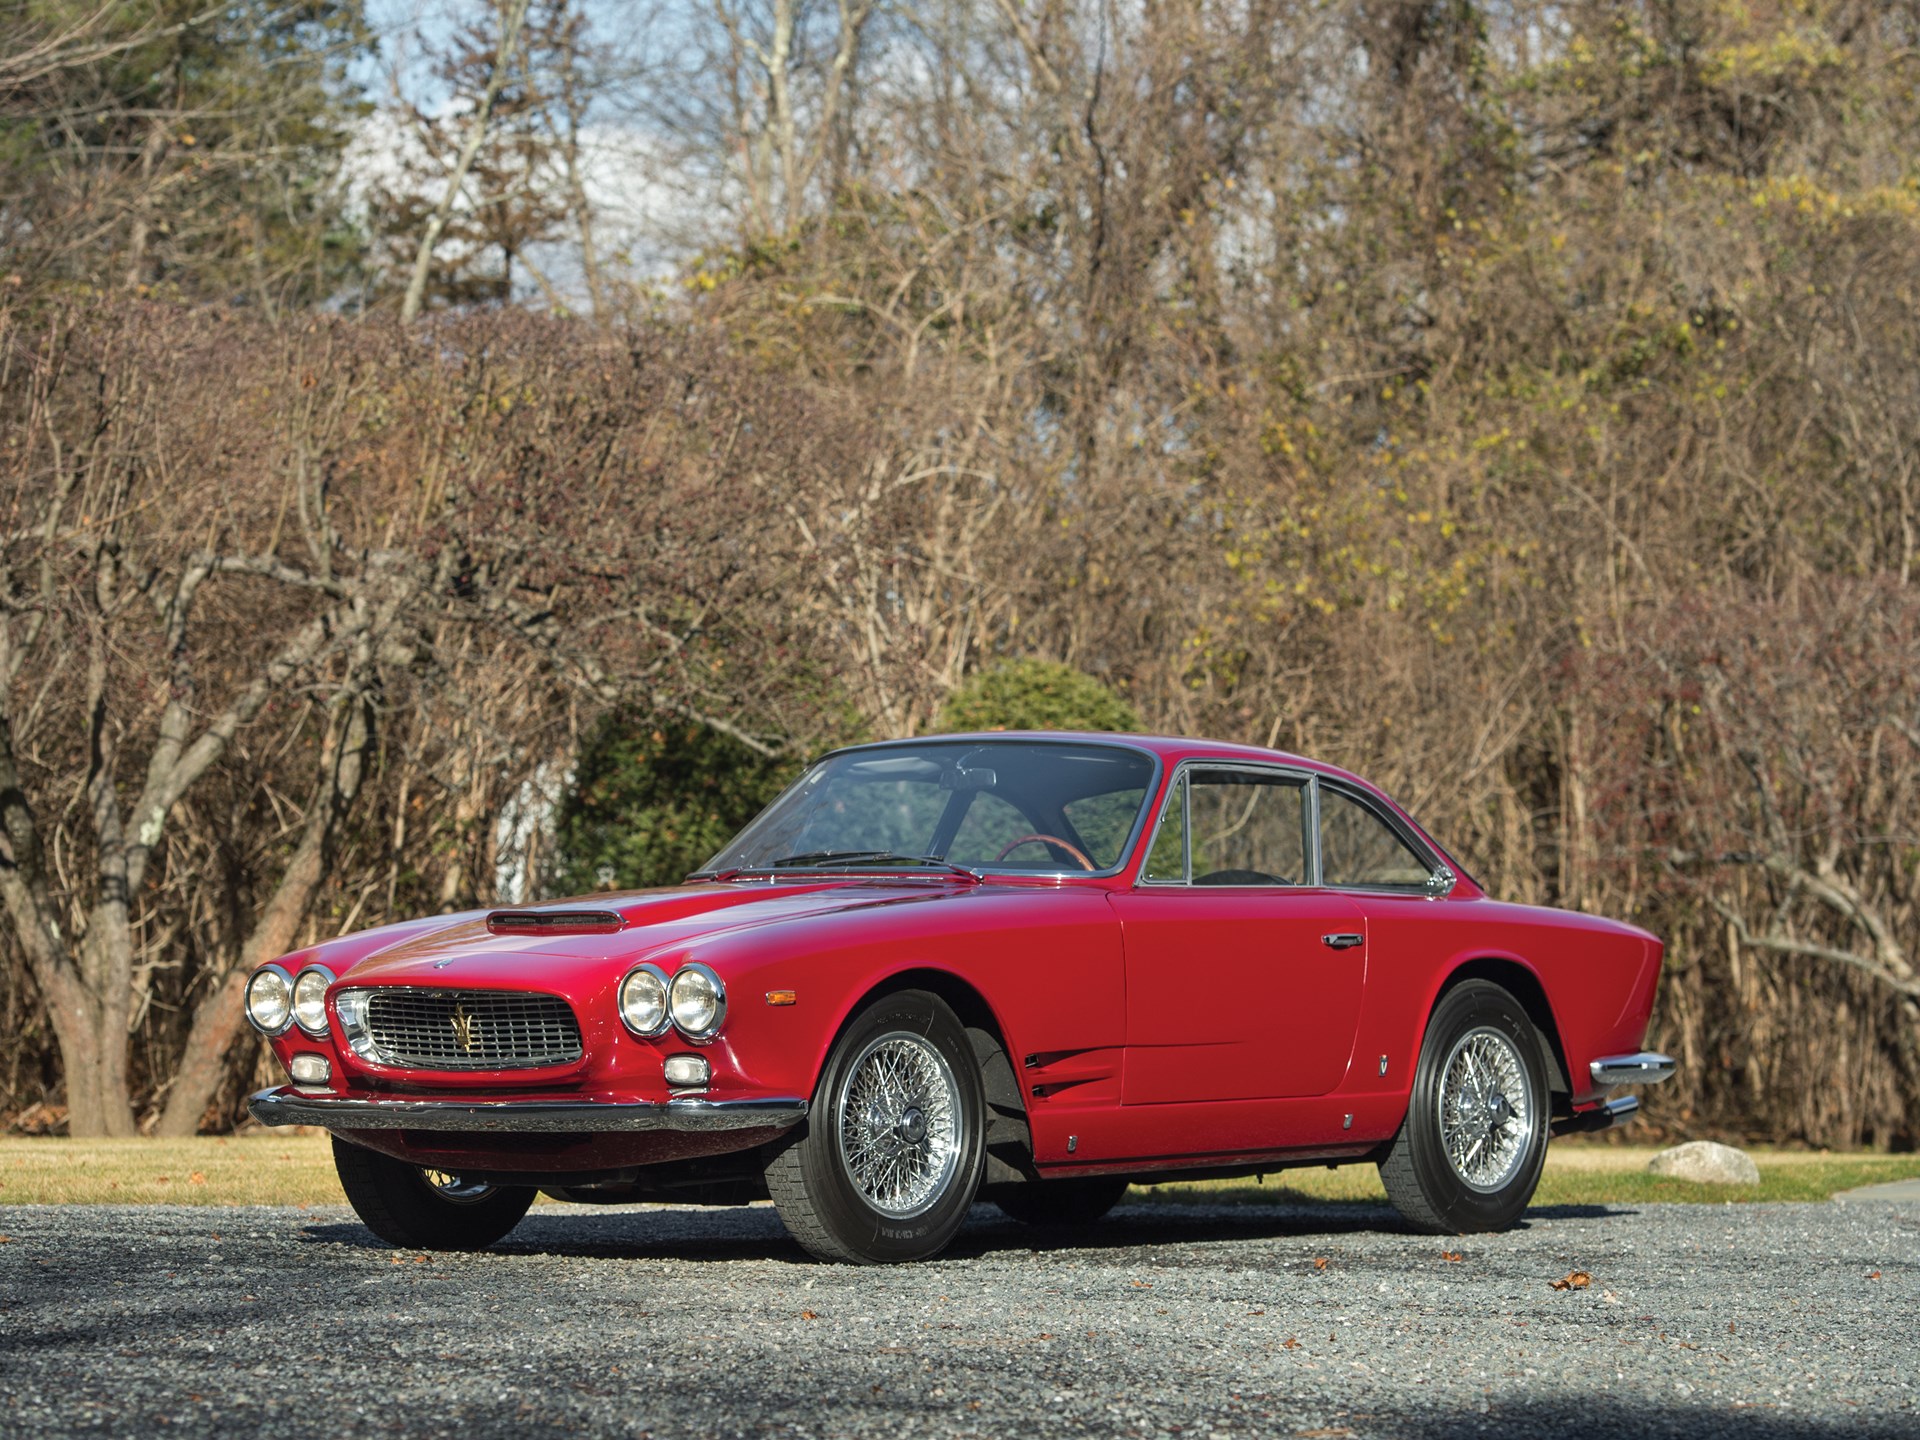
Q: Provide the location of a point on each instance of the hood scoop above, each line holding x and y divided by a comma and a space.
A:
555, 922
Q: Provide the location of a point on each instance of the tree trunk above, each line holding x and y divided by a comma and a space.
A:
93, 1064
218, 1019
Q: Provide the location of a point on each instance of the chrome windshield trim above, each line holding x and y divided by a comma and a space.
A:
1644, 1068
284, 1107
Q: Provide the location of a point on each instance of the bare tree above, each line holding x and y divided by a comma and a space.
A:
510, 23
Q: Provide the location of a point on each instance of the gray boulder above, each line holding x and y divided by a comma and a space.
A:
1708, 1163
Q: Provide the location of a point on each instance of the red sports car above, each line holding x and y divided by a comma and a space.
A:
1029, 968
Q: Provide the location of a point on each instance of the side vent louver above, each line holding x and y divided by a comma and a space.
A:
554, 922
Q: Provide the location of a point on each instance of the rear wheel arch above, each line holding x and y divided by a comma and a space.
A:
1524, 985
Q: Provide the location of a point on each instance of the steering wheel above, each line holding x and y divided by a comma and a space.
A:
1036, 837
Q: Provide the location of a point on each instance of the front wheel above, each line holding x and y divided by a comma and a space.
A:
419, 1209
1468, 1155
891, 1153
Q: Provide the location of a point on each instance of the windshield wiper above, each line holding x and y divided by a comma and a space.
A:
832, 859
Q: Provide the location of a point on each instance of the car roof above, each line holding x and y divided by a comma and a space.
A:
1169, 748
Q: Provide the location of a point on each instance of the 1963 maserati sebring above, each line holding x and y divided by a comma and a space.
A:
1026, 968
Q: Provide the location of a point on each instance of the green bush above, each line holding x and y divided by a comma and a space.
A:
1035, 695
652, 799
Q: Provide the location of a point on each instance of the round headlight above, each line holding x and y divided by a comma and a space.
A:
310, 999
270, 1000
698, 1001
643, 1001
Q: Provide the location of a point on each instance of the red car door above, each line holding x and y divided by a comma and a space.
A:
1243, 980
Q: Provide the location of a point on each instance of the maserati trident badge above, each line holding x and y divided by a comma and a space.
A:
463, 1029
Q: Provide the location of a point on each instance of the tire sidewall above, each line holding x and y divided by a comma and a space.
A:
1472, 1006
873, 1236
396, 1202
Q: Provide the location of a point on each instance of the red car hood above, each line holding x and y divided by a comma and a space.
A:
653, 923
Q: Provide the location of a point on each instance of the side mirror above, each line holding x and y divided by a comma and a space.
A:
1440, 884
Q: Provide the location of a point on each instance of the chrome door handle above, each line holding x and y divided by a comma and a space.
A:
1342, 942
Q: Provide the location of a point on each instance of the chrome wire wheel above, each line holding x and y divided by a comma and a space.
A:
1485, 1109
897, 1124
455, 1189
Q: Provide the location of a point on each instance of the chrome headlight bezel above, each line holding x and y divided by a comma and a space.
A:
695, 974
659, 978
326, 977
263, 974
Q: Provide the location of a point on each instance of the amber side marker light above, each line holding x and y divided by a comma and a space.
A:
782, 997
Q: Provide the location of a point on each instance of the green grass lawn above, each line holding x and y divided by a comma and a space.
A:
281, 1167
1576, 1174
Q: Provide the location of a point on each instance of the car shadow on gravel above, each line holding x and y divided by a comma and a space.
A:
754, 1233
1590, 1415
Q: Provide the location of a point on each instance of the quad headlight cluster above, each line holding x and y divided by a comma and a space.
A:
694, 1002
276, 1000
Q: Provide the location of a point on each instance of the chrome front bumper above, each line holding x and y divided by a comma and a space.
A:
288, 1107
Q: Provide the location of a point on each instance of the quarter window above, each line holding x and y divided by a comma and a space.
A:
1358, 848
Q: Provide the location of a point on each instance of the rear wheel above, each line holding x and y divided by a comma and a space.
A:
1059, 1202
419, 1209
890, 1155
1469, 1153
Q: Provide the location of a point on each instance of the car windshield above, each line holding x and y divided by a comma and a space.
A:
1008, 805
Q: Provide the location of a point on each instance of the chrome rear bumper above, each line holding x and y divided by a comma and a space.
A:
1643, 1068
288, 1107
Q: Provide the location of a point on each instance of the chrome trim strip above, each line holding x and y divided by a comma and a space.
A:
1643, 1068
279, 1107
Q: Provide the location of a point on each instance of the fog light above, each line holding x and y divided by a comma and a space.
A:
688, 1072
310, 1070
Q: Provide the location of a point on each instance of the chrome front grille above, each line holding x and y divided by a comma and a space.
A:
469, 1029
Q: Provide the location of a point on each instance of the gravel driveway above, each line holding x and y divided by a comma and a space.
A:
1758, 1321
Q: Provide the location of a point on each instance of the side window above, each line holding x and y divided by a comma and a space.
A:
1248, 829
1358, 848
1168, 862
990, 826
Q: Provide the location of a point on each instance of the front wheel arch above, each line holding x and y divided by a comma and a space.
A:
1009, 1138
